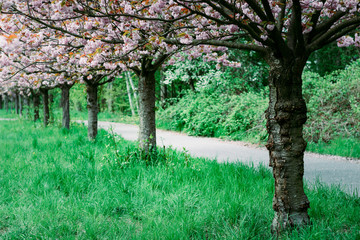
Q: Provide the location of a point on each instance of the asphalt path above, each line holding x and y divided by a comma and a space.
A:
330, 170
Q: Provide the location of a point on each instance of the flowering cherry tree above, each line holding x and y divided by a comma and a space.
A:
286, 32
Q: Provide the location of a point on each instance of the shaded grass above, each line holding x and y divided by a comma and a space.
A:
57, 184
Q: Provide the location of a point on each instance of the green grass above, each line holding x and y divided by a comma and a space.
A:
347, 147
103, 116
55, 184
8, 114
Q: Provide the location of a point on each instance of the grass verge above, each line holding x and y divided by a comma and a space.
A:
57, 184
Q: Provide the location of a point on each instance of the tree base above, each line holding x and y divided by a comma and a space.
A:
284, 221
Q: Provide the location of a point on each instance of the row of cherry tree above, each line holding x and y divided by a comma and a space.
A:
46, 44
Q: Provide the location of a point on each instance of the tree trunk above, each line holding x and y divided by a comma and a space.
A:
192, 84
173, 90
129, 96
16, 100
1, 101
27, 103
6, 100
110, 98
134, 90
147, 128
45, 95
65, 104
51, 108
36, 102
163, 91
20, 105
285, 118
92, 106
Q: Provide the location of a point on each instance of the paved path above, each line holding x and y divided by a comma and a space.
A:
328, 169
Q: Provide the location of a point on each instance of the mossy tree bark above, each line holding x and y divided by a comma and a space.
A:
46, 110
286, 116
65, 104
147, 127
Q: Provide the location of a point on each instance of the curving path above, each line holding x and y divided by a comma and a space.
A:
331, 170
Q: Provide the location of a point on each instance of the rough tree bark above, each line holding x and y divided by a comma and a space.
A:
36, 102
147, 128
92, 106
286, 116
65, 104
45, 95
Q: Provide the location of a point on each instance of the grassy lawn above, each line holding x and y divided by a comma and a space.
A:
55, 184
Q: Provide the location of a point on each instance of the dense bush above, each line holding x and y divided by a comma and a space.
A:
333, 104
218, 115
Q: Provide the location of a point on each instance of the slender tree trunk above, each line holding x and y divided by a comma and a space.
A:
134, 90
16, 101
51, 107
1, 101
129, 96
65, 104
36, 102
286, 116
27, 103
110, 98
147, 128
20, 105
92, 106
6, 100
163, 91
173, 90
45, 95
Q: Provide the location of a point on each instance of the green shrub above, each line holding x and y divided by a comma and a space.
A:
333, 104
217, 115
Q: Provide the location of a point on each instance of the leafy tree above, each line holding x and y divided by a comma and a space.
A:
331, 58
